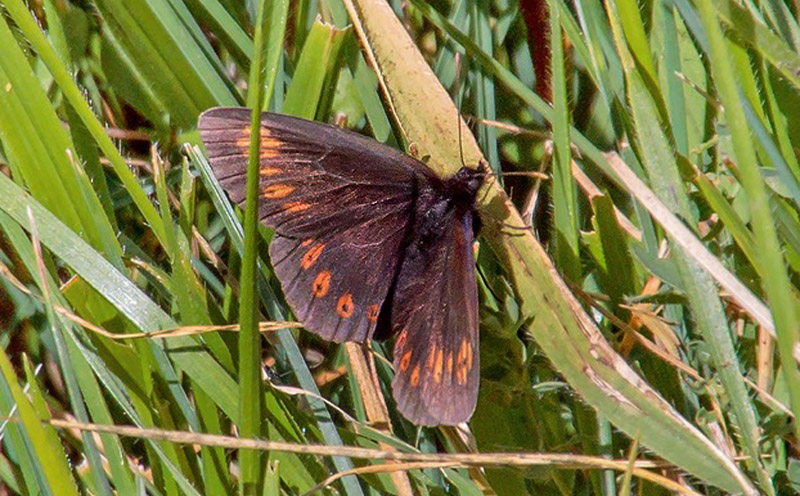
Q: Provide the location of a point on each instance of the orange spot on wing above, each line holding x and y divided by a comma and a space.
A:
461, 374
269, 171
311, 256
321, 284
372, 313
345, 306
437, 370
307, 242
464, 361
270, 147
277, 191
405, 361
415, 376
401, 341
243, 141
462, 352
295, 206
431, 357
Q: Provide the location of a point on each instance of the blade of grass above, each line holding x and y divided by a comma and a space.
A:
317, 60
758, 36
120, 292
163, 46
214, 15
44, 441
484, 84
250, 385
102, 485
277, 17
565, 207
593, 155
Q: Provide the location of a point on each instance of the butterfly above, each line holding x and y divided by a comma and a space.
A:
369, 243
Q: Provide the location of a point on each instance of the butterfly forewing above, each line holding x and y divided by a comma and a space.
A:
435, 316
340, 205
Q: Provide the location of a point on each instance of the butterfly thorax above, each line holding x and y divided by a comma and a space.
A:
436, 207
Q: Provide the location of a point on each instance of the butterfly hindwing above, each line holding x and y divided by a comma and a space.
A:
340, 205
435, 315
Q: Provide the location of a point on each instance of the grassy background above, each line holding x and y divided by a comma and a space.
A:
666, 344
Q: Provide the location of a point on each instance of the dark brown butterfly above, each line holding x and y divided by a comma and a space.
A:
369, 243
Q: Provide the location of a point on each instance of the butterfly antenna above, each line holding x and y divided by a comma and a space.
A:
459, 101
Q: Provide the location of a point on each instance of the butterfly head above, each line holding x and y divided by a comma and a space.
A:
464, 185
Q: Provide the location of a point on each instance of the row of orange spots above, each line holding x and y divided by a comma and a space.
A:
464, 361
322, 283
311, 256
270, 147
277, 191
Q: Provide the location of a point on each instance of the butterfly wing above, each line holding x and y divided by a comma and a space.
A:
435, 313
340, 204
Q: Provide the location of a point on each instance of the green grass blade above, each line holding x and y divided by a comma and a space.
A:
565, 207
47, 449
318, 58
250, 384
